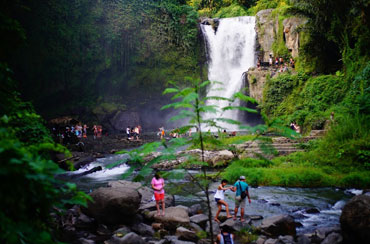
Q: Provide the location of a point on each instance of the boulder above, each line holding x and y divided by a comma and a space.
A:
303, 239
146, 193
130, 238
287, 239
195, 209
355, 220
174, 217
196, 227
319, 235
122, 119
312, 211
278, 225
86, 241
261, 240
236, 226
85, 222
186, 235
333, 238
199, 219
143, 229
215, 226
273, 241
113, 205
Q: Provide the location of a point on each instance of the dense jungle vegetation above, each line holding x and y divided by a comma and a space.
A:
73, 56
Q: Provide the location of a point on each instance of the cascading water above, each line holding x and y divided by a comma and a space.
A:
231, 52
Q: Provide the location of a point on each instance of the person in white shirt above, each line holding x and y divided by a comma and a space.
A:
219, 198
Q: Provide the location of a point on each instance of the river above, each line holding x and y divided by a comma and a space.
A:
266, 201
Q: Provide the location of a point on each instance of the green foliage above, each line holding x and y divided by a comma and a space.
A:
307, 101
267, 4
234, 10
29, 189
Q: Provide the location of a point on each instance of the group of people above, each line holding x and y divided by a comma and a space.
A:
133, 133
72, 134
278, 63
241, 194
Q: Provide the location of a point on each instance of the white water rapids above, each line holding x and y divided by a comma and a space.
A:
231, 52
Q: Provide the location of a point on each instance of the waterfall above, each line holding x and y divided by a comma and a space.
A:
231, 52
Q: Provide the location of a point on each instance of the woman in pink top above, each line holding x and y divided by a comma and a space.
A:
158, 187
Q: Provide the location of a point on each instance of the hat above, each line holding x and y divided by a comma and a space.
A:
242, 177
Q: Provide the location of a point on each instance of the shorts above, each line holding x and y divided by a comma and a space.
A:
158, 196
217, 199
239, 202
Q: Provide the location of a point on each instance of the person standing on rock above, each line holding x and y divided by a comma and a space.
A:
241, 188
158, 187
219, 198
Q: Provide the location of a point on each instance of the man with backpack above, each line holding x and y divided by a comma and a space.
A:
241, 188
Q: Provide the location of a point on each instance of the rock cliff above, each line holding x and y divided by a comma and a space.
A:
267, 28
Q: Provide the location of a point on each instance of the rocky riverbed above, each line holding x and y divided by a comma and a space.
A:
123, 212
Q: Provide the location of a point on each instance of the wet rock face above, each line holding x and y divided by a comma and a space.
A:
291, 35
355, 220
267, 28
122, 119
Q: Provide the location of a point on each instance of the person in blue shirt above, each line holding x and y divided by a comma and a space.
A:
239, 187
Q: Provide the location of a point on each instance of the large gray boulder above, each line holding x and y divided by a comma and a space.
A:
174, 217
147, 202
236, 226
278, 225
143, 229
114, 205
355, 220
199, 219
186, 235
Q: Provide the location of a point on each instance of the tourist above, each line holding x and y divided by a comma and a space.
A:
291, 62
259, 63
270, 60
162, 133
136, 132
281, 60
285, 67
225, 237
219, 198
85, 131
95, 129
276, 61
189, 132
128, 132
158, 187
241, 188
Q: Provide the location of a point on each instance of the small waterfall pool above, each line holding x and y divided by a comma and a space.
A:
266, 201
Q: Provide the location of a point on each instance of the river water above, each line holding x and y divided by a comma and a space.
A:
266, 201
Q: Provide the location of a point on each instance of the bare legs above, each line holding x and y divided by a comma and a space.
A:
219, 204
241, 213
157, 203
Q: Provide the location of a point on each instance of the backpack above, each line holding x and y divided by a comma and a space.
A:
243, 194
227, 238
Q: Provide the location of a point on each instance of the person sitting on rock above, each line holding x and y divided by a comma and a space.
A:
225, 237
219, 198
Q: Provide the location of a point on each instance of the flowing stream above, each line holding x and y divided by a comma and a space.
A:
266, 201
231, 51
